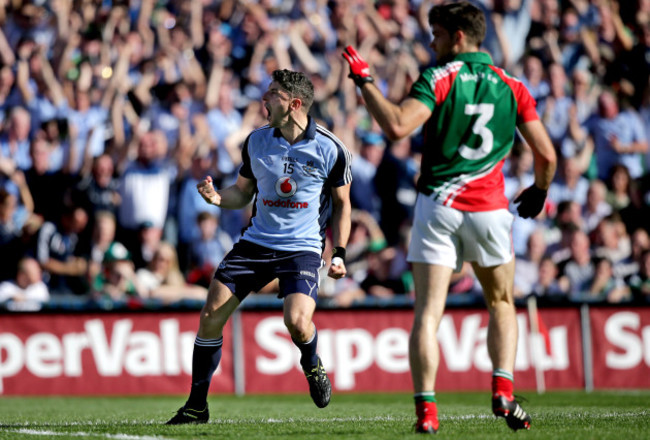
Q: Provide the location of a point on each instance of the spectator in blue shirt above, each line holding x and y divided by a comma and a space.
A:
191, 204
619, 137
144, 189
569, 183
56, 250
208, 249
14, 138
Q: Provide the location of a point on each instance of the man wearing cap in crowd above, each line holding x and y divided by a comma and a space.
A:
117, 280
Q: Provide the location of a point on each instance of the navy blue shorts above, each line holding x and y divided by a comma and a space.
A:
248, 267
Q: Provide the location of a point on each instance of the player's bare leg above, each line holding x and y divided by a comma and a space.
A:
498, 287
220, 304
298, 312
218, 307
431, 287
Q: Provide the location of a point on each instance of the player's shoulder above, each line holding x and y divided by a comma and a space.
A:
507, 77
258, 138
328, 139
262, 132
436, 81
445, 70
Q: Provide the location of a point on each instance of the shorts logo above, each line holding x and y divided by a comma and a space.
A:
286, 186
307, 273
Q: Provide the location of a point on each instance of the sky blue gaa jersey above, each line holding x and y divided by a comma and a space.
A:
294, 182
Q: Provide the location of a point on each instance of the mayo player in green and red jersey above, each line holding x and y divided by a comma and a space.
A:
470, 110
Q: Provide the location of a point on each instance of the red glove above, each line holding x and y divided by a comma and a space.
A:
359, 70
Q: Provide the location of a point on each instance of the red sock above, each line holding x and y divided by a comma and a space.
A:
502, 387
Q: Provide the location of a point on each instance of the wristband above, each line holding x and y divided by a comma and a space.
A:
339, 252
359, 80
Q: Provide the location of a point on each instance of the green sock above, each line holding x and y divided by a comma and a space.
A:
498, 372
425, 396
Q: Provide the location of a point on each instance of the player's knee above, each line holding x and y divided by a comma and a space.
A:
499, 300
500, 304
211, 317
300, 326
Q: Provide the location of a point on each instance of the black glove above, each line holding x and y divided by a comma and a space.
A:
531, 201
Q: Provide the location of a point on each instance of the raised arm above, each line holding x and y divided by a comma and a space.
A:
6, 53
50, 79
396, 120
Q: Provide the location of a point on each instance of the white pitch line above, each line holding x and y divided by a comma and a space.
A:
86, 434
408, 418
50, 433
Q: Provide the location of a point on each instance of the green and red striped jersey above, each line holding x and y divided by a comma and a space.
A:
476, 107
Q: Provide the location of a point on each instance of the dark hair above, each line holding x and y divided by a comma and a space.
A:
563, 206
205, 215
616, 168
462, 16
297, 84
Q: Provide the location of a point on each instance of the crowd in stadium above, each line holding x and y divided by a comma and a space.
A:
112, 111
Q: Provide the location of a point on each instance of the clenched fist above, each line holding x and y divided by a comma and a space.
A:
207, 191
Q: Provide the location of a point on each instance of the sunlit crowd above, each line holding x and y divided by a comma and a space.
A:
111, 112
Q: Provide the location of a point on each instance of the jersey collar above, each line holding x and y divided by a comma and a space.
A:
474, 57
310, 132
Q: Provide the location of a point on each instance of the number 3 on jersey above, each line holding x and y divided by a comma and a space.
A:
485, 113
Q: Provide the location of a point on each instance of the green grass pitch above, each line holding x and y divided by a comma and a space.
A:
556, 415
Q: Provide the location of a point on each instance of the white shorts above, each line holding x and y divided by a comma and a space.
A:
447, 237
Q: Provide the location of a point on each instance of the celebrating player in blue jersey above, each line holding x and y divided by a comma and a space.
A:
294, 168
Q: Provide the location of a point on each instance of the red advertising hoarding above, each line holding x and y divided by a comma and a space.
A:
101, 354
621, 347
151, 352
368, 351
